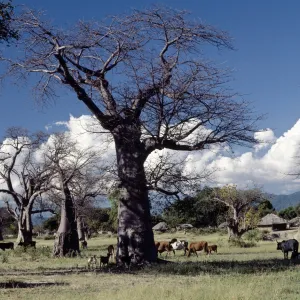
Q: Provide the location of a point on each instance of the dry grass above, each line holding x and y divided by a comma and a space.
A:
235, 273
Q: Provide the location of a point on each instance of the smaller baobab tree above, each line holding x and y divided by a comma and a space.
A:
23, 178
85, 188
67, 162
239, 202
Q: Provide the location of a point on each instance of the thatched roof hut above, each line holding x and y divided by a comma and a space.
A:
295, 222
273, 220
161, 226
223, 225
185, 226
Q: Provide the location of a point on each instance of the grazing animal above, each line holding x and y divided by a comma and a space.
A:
198, 246
289, 245
180, 245
111, 251
164, 246
92, 261
9, 245
83, 244
28, 244
126, 260
104, 260
212, 248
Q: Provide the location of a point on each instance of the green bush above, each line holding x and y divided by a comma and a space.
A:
4, 258
238, 242
253, 235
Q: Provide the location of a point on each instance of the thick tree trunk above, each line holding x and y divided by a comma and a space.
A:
234, 230
25, 226
135, 235
66, 241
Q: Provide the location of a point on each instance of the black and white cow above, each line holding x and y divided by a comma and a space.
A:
289, 245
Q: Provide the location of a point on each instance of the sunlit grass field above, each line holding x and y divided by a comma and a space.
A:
234, 273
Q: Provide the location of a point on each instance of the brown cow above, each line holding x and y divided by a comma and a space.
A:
198, 246
164, 246
212, 248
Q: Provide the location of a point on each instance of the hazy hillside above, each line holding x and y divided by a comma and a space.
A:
284, 201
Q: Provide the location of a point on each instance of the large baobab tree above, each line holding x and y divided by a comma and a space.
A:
68, 163
23, 178
146, 80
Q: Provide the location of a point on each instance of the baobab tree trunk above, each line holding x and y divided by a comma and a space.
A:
25, 226
66, 241
135, 235
234, 230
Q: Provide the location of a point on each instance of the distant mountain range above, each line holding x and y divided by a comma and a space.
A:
283, 201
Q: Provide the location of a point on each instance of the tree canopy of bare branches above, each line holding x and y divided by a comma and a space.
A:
23, 178
73, 167
145, 78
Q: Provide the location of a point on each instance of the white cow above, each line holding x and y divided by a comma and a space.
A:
179, 245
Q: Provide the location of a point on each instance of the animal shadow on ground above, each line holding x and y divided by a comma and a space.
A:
12, 284
223, 267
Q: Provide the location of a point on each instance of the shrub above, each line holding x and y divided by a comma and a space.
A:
253, 235
238, 242
4, 258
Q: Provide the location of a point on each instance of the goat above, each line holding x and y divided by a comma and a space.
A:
83, 244
92, 261
104, 260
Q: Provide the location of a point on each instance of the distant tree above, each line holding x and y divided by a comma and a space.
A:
51, 223
7, 222
239, 202
199, 210
297, 209
264, 208
145, 79
98, 219
288, 213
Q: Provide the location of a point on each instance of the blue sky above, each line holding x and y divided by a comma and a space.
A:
266, 61
266, 71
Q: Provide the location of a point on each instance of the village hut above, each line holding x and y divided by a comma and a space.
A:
274, 221
161, 226
184, 226
295, 222
223, 225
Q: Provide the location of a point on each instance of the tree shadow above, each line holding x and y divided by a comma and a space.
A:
13, 284
224, 267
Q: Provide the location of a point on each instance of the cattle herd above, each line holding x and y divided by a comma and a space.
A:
194, 247
287, 246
